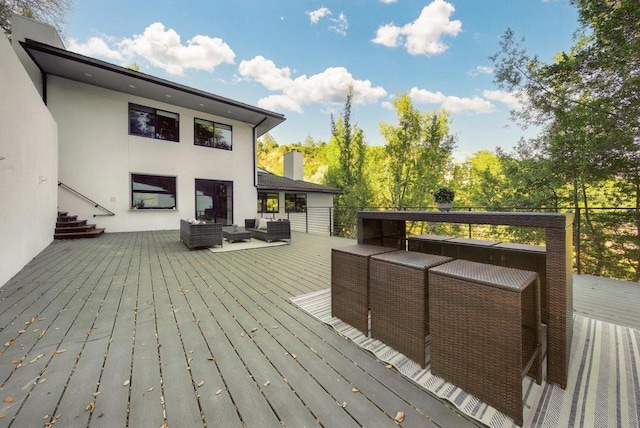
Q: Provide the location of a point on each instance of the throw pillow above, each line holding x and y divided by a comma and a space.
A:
263, 224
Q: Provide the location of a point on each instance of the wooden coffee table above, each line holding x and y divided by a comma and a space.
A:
233, 234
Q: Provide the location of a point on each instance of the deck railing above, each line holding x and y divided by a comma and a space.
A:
606, 239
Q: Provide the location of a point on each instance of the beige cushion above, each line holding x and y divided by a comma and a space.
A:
263, 224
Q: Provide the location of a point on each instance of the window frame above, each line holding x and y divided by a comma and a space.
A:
137, 203
263, 202
157, 116
295, 206
200, 139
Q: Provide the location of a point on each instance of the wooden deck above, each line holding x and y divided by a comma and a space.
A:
133, 329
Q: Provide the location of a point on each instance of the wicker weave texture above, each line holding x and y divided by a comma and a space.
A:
478, 341
350, 284
400, 300
200, 235
276, 230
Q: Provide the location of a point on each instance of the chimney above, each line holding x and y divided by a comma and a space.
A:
293, 165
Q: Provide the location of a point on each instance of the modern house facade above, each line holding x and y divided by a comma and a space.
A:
146, 151
308, 206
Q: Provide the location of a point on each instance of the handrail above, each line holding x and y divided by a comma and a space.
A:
95, 204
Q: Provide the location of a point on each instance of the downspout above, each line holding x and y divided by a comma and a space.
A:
255, 153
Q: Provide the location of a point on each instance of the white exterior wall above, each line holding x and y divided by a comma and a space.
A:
97, 156
317, 219
28, 167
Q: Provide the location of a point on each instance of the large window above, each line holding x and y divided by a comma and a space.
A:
268, 202
214, 201
210, 134
295, 202
153, 123
152, 192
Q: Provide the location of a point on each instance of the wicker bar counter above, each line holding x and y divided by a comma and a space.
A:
400, 300
373, 225
350, 283
486, 330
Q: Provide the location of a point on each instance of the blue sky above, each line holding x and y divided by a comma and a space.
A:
299, 57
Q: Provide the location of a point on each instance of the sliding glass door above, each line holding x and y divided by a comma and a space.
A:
214, 200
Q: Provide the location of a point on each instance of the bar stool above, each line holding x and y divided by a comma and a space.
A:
350, 283
400, 300
485, 330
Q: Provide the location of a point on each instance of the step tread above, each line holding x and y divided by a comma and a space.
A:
88, 234
77, 228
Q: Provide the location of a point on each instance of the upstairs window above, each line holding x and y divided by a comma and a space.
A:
153, 123
295, 202
153, 192
210, 134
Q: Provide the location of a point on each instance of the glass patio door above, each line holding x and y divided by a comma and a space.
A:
214, 200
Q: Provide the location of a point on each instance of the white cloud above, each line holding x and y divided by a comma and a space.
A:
422, 36
388, 1
340, 24
95, 47
161, 48
329, 86
451, 103
164, 49
510, 99
480, 69
316, 15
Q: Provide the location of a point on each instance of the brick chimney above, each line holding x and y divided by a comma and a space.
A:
293, 165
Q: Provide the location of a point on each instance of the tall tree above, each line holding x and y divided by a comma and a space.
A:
346, 169
418, 148
50, 11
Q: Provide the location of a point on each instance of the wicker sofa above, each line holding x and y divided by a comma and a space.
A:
200, 235
276, 230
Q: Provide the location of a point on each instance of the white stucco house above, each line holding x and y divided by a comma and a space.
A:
147, 151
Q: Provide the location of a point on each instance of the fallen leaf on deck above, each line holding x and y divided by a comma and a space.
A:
242, 334
399, 417
7, 344
2, 416
218, 392
126, 383
22, 331
36, 358
8, 400
60, 351
389, 366
354, 389
200, 384
254, 329
90, 407
95, 394
150, 389
267, 383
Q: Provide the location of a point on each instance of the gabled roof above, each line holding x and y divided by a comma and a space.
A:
269, 181
70, 65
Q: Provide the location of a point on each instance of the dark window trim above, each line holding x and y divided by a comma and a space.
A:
158, 131
263, 197
297, 207
139, 204
211, 141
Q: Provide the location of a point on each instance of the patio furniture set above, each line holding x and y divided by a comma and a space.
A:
479, 301
207, 234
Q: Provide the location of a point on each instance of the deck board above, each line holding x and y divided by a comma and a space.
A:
155, 333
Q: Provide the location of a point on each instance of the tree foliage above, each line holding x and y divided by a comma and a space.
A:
50, 11
347, 154
418, 149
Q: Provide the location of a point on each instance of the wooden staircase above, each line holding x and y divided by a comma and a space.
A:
69, 227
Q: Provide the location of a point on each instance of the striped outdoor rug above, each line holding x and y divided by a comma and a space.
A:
603, 387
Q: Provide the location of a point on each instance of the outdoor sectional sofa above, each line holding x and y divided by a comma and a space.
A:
268, 229
201, 234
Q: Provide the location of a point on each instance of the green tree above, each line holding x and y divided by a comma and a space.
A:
50, 11
347, 153
418, 149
